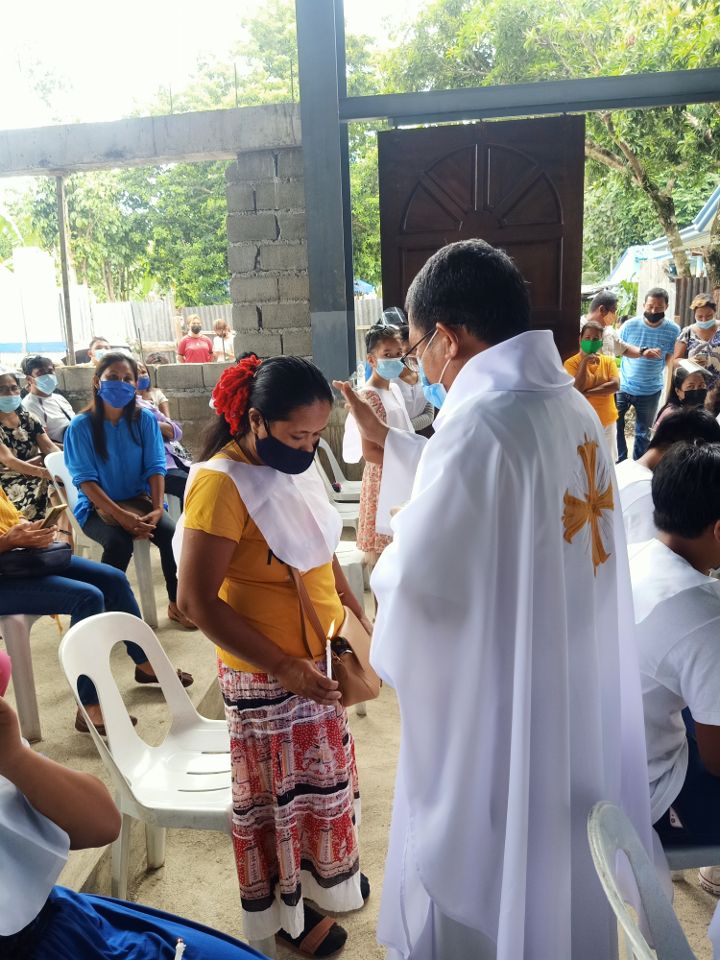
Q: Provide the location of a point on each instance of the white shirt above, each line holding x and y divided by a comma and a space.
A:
413, 396
224, 345
54, 412
677, 615
635, 488
612, 346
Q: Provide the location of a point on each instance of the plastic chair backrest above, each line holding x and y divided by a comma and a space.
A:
333, 461
609, 833
55, 463
85, 650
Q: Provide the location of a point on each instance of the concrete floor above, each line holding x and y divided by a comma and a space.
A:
198, 879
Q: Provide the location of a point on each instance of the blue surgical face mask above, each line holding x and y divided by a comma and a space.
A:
117, 393
143, 383
706, 324
46, 383
278, 455
389, 369
435, 393
99, 354
8, 404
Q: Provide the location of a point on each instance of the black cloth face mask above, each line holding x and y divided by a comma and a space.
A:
694, 398
654, 317
278, 455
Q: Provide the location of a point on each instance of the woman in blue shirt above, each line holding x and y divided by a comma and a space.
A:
114, 451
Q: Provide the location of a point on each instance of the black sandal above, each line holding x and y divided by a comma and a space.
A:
321, 937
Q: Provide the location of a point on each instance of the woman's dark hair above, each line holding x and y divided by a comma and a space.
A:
275, 387
379, 334
686, 489
473, 285
96, 409
156, 358
33, 363
680, 375
685, 425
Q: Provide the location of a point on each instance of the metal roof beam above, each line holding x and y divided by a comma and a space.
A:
633, 91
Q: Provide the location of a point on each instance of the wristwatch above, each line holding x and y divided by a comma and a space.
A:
642, 351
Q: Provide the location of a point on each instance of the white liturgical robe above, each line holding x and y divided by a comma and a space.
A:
505, 625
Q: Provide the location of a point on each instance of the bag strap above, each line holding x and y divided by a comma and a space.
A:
307, 608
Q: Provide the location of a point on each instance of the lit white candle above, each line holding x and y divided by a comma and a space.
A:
328, 651
180, 950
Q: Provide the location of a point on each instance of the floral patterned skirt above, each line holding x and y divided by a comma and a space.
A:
368, 539
28, 494
295, 801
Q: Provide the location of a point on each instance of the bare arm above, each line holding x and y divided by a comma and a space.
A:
708, 740
581, 376
76, 802
203, 565
11, 462
45, 445
164, 408
608, 388
680, 350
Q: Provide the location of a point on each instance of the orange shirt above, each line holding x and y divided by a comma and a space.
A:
604, 406
9, 515
256, 585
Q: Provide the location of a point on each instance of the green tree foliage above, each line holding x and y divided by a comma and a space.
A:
655, 164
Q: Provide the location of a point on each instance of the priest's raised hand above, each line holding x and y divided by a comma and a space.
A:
372, 430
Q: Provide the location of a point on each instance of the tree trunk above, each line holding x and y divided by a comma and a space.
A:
712, 257
662, 202
107, 277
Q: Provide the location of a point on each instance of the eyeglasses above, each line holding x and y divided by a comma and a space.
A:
412, 349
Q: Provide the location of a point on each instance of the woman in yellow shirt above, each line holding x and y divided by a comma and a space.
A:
596, 377
255, 506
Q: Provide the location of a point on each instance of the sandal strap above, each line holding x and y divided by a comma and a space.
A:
316, 936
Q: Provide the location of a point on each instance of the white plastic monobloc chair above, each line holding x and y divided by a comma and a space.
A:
55, 463
349, 512
15, 630
349, 489
610, 832
183, 782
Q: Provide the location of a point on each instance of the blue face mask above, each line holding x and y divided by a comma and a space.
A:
706, 324
117, 393
46, 383
99, 354
435, 393
278, 455
143, 383
389, 369
8, 404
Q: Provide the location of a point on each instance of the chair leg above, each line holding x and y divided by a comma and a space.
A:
121, 860
155, 843
143, 569
267, 947
16, 631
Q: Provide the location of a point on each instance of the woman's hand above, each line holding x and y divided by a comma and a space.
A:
303, 678
153, 518
25, 534
134, 525
167, 431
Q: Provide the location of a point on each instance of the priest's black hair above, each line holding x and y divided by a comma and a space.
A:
473, 285
275, 387
686, 426
686, 489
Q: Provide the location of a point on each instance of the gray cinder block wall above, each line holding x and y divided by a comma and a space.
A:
267, 252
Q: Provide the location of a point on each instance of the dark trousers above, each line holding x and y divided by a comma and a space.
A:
645, 412
698, 803
84, 589
118, 547
175, 483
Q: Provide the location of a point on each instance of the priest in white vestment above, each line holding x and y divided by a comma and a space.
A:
505, 626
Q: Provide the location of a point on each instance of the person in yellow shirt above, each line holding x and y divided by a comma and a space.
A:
254, 507
81, 590
596, 377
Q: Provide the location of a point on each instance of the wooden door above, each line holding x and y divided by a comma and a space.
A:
517, 184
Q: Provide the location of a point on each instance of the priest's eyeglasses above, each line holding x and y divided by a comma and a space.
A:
409, 353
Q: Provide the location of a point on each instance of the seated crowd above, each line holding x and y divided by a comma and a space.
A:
292, 752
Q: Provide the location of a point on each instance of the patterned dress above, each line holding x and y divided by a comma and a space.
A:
29, 494
706, 353
368, 539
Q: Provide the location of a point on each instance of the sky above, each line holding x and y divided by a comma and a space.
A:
113, 58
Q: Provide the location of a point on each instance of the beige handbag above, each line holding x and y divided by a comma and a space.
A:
350, 650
